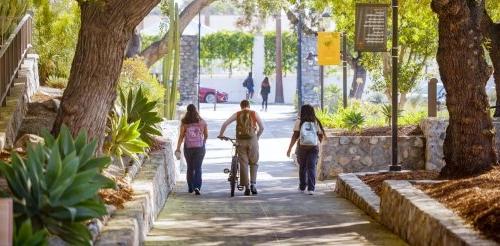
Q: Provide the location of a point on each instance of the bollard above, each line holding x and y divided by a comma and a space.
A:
432, 98
7, 219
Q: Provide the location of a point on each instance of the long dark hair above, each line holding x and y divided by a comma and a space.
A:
307, 114
192, 115
265, 82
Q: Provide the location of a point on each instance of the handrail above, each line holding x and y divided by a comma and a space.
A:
12, 54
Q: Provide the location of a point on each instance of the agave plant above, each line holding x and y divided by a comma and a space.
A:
26, 236
137, 107
353, 120
56, 185
386, 110
124, 138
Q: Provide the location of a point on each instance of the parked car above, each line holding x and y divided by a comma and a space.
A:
207, 95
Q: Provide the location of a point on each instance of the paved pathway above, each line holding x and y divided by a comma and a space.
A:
278, 215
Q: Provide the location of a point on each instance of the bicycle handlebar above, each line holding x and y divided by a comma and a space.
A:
232, 140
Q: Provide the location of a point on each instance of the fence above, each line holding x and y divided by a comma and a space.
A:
12, 53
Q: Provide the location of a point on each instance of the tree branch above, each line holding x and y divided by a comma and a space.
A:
156, 50
295, 21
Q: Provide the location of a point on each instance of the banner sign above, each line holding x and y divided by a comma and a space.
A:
328, 48
371, 27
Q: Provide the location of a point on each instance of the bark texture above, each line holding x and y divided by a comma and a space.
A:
469, 147
279, 98
491, 31
105, 30
156, 50
359, 78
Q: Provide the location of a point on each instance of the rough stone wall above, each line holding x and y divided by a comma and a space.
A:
11, 116
435, 132
310, 73
347, 154
188, 83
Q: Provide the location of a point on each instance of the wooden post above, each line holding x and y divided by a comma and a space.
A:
6, 227
432, 98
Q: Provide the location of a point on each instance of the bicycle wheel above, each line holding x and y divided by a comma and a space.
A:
234, 173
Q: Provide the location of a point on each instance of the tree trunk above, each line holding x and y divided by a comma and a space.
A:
279, 98
469, 146
492, 32
97, 63
358, 80
156, 50
134, 44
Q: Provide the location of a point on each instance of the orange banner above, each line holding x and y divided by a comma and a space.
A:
328, 48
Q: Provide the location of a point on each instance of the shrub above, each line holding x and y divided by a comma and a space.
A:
56, 82
413, 118
353, 120
24, 235
56, 186
138, 108
135, 74
386, 110
124, 138
332, 98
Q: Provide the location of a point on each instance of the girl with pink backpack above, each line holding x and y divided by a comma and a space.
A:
194, 134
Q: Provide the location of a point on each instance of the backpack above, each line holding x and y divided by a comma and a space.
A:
245, 124
245, 83
308, 134
194, 136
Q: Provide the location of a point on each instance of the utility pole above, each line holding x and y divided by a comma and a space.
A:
199, 63
344, 69
279, 98
395, 166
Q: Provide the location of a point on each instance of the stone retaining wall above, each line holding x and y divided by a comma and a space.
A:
355, 190
11, 116
347, 154
421, 220
435, 132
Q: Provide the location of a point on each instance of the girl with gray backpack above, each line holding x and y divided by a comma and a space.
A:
309, 132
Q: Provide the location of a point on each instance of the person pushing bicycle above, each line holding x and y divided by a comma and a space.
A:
249, 128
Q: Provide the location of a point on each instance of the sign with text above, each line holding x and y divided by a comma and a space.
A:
328, 48
371, 27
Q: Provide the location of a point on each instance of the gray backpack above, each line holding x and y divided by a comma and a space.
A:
308, 134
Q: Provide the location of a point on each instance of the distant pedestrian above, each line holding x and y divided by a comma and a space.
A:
194, 134
249, 85
265, 89
309, 131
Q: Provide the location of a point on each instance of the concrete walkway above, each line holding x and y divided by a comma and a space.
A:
278, 215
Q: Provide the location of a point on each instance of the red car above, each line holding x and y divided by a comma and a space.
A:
207, 95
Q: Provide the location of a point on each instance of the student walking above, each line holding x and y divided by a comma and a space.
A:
249, 127
265, 89
248, 84
309, 132
194, 134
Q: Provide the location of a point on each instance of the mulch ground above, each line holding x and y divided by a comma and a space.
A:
117, 197
475, 199
375, 180
382, 131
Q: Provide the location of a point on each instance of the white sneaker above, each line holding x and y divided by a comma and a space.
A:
301, 191
310, 192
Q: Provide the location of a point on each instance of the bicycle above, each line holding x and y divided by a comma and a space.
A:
235, 167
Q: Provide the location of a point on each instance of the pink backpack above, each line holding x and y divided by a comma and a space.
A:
194, 135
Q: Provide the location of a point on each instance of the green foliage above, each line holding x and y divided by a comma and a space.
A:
147, 40
386, 110
412, 118
139, 109
332, 98
124, 138
135, 75
56, 185
353, 120
289, 52
11, 12
171, 63
56, 82
25, 236
56, 27
233, 49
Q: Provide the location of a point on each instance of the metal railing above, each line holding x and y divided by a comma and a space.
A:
12, 53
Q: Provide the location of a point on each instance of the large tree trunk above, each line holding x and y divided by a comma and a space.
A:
157, 50
469, 146
358, 80
279, 98
492, 32
104, 33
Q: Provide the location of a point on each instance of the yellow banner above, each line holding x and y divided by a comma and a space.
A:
328, 48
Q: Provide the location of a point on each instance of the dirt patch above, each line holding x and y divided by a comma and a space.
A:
375, 180
382, 131
475, 199
42, 112
118, 197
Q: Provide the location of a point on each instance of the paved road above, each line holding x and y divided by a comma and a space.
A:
278, 215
